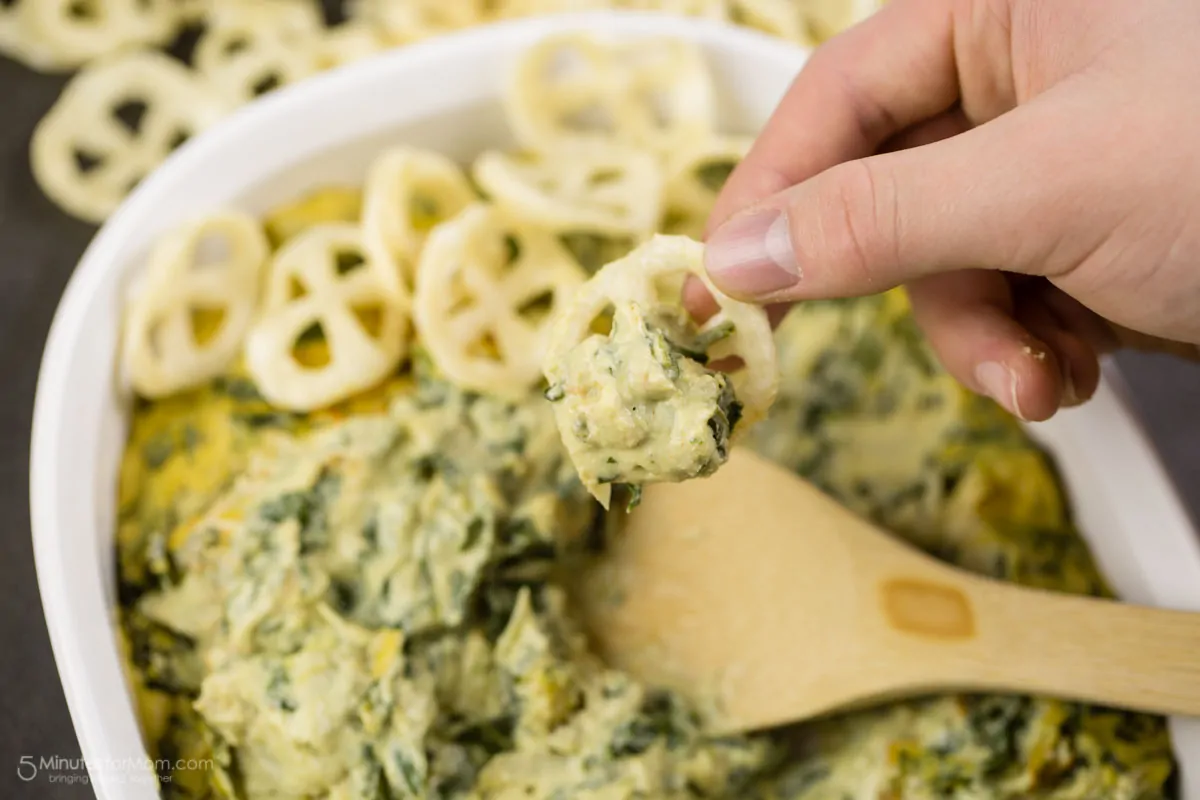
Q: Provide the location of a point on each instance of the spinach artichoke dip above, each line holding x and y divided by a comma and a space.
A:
361, 602
354, 590
638, 405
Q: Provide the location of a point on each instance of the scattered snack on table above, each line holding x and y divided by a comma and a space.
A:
233, 51
409, 21
113, 124
247, 50
60, 34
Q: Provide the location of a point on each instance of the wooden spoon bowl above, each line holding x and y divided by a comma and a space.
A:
764, 602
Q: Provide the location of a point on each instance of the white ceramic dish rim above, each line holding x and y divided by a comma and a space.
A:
1163, 569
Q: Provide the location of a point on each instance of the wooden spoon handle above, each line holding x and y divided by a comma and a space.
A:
1101, 651
975, 634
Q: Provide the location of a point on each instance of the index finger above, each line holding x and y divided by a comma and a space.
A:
893, 70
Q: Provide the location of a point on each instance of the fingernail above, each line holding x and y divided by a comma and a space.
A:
1000, 384
751, 255
1070, 397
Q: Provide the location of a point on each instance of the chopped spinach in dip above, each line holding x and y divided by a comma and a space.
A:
364, 602
637, 405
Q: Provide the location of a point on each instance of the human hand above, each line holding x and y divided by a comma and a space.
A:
1029, 171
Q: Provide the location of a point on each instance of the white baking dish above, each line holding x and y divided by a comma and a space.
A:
441, 94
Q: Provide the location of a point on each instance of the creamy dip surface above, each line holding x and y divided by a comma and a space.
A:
365, 601
637, 405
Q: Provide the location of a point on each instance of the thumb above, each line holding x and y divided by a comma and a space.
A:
978, 199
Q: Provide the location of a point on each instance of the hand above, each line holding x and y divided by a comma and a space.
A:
1028, 170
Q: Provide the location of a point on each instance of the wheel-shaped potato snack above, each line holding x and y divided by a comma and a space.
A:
22, 42
823, 19
324, 285
247, 51
649, 93
782, 18
486, 289
77, 32
695, 175
706, 9
517, 9
113, 124
650, 277
412, 20
595, 187
207, 271
634, 406
347, 43
409, 191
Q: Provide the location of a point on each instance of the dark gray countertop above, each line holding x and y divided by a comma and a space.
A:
38, 249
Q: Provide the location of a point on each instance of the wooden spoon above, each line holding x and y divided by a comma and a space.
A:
765, 602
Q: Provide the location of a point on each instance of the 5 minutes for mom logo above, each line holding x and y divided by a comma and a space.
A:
26, 769
59, 769
55, 769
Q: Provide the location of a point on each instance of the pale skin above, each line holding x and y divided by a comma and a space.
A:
1028, 170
